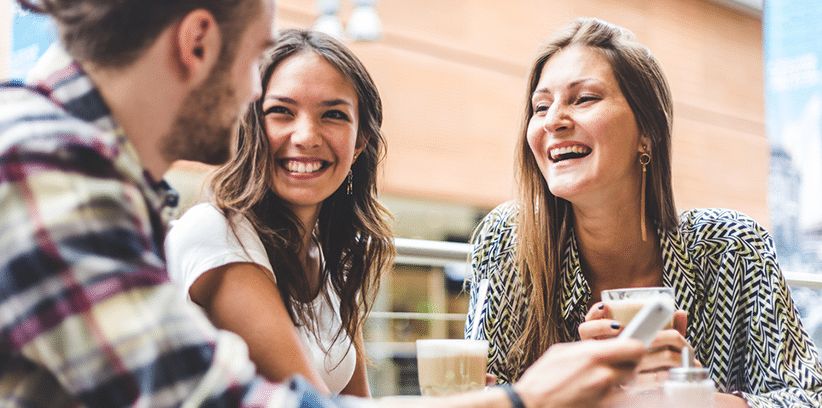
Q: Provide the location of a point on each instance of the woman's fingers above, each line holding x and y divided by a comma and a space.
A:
665, 352
490, 379
681, 321
599, 329
598, 311
598, 324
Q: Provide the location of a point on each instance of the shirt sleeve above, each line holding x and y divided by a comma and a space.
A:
85, 301
751, 319
202, 240
493, 258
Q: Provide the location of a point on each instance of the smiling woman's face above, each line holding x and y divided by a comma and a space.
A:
310, 117
583, 133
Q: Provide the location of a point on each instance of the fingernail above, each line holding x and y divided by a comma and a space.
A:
615, 325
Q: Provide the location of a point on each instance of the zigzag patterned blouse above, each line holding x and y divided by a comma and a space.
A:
742, 322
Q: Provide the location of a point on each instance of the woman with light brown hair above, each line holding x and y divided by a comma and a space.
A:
290, 251
595, 211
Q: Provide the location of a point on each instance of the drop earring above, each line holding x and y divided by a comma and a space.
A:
644, 160
350, 188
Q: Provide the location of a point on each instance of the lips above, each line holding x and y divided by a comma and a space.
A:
303, 166
567, 152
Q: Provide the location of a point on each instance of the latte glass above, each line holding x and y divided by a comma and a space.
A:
624, 304
449, 366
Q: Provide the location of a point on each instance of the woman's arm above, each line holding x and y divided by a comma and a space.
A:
243, 298
358, 385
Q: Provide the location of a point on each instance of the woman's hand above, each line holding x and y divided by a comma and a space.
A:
490, 379
664, 352
598, 325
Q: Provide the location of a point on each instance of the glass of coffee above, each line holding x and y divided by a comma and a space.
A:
625, 303
449, 366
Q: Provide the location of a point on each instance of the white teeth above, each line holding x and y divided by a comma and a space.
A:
296, 166
555, 153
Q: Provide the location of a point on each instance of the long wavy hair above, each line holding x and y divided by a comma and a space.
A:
352, 230
548, 220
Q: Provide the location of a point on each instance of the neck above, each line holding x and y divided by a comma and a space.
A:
310, 251
144, 98
613, 253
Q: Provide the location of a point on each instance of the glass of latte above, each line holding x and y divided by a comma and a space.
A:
449, 366
624, 304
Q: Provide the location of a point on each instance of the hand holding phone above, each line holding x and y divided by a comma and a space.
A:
649, 320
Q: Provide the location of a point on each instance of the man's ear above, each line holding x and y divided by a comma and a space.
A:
199, 45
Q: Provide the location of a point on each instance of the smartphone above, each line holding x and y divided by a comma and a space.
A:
649, 320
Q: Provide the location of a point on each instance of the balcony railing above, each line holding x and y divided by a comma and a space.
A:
390, 352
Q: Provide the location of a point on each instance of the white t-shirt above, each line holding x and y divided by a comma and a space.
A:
201, 240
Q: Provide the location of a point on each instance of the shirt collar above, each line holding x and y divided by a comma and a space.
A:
68, 85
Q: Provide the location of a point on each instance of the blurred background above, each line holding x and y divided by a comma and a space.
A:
746, 84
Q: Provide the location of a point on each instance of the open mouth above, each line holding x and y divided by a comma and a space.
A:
303, 166
569, 152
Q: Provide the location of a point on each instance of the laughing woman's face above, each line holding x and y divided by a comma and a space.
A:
310, 117
583, 133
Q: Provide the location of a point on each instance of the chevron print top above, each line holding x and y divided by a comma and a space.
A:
742, 322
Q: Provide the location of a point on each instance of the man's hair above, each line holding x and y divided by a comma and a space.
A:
114, 33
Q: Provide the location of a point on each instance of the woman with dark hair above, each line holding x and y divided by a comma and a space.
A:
290, 251
595, 211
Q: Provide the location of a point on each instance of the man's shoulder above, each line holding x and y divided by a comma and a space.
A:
22, 103
34, 125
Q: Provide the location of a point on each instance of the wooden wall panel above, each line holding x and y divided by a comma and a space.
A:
450, 127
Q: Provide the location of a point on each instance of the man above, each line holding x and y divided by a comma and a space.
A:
87, 314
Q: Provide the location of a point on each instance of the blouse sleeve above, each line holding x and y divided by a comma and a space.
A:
201, 240
493, 259
773, 362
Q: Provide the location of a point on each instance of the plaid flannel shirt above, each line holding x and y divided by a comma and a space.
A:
87, 313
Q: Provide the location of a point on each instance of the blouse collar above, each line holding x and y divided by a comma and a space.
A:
678, 272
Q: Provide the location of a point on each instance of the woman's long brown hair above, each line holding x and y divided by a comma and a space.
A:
546, 221
352, 230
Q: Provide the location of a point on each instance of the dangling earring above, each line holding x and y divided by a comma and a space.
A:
350, 188
644, 159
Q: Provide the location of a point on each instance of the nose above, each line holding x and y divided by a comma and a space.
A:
306, 133
557, 118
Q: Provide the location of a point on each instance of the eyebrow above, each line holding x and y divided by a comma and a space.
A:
573, 84
268, 43
328, 103
283, 99
335, 102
